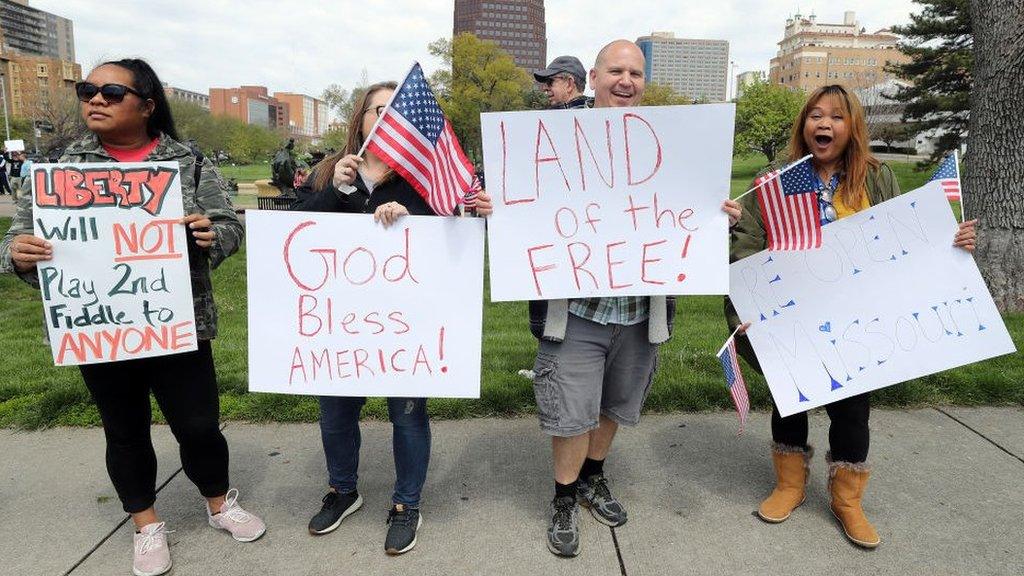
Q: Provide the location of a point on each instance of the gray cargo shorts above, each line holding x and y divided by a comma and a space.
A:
597, 370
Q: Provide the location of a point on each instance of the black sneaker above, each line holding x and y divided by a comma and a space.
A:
594, 494
335, 509
403, 522
564, 527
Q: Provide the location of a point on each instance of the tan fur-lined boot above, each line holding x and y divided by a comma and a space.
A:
846, 484
792, 464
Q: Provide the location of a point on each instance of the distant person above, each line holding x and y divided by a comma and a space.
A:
831, 127
128, 118
5, 186
344, 182
283, 168
16, 164
563, 82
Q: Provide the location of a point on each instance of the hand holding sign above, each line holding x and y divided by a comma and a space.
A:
27, 250
609, 202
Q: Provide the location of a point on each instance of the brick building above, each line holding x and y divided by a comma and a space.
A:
250, 104
813, 54
37, 59
308, 116
518, 26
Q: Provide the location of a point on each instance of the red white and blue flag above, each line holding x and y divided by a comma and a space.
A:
414, 138
948, 176
789, 207
734, 379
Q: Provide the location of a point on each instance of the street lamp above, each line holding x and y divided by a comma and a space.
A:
3, 95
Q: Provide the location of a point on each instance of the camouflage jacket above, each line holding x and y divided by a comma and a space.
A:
210, 197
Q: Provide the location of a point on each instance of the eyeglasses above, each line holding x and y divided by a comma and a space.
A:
378, 110
112, 93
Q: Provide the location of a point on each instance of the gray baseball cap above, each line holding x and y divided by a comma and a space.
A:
562, 64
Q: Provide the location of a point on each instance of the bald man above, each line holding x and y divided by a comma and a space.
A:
597, 356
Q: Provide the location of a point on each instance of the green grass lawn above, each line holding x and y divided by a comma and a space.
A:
246, 173
34, 393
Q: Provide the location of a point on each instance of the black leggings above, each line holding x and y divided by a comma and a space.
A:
185, 387
848, 434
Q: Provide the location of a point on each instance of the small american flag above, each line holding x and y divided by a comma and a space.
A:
948, 176
414, 138
789, 207
734, 379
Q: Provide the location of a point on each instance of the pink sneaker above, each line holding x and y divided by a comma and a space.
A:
152, 556
243, 526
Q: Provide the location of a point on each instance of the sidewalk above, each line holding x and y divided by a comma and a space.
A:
946, 500
6, 207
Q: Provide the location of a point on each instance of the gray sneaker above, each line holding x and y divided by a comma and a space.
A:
594, 494
564, 527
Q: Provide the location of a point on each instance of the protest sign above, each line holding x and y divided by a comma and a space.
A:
14, 145
608, 201
341, 306
118, 286
885, 299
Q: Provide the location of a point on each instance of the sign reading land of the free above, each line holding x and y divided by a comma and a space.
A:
608, 201
118, 286
886, 299
341, 306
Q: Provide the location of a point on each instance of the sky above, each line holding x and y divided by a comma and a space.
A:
304, 46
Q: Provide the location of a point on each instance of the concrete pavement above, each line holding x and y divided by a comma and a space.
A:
945, 497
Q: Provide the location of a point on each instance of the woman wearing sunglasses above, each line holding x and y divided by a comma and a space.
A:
830, 127
345, 182
125, 109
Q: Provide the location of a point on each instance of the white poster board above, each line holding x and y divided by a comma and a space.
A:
341, 306
118, 286
608, 201
14, 145
886, 299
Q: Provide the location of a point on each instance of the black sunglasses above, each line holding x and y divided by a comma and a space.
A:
112, 93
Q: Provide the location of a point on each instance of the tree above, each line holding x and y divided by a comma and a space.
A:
764, 118
62, 116
662, 95
891, 133
481, 77
993, 187
939, 42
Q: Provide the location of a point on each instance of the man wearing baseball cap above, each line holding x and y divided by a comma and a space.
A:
563, 82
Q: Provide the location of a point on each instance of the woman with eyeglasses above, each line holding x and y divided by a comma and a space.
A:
346, 182
830, 127
125, 109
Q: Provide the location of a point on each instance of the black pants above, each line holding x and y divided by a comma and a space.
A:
185, 387
5, 187
848, 434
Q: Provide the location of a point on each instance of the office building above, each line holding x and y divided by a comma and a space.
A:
694, 68
198, 98
250, 104
308, 116
517, 26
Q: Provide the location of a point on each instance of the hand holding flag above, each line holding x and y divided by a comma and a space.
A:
414, 138
789, 206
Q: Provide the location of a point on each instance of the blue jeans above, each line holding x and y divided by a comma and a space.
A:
339, 429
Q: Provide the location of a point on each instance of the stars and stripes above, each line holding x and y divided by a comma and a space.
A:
789, 207
734, 379
948, 176
414, 138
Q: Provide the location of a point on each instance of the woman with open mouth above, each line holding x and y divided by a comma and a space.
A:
831, 128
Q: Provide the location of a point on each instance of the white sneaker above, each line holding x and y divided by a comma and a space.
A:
243, 526
152, 556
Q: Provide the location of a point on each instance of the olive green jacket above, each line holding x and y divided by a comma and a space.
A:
210, 197
748, 236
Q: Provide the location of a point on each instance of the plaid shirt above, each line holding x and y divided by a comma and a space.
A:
624, 310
